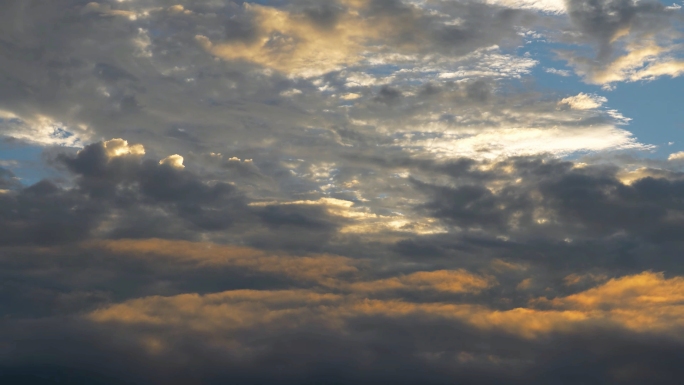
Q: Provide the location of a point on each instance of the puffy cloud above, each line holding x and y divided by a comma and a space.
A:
583, 101
120, 147
173, 161
588, 201
676, 156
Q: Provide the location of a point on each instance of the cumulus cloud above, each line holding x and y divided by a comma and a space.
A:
583, 101
120, 147
173, 161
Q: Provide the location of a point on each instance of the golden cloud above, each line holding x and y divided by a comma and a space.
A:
119, 147
450, 281
296, 44
292, 43
644, 61
319, 268
330, 271
645, 302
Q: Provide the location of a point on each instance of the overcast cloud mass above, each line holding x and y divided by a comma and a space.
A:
339, 192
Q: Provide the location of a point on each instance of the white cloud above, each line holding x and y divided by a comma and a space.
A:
643, 61
486, 62
119, 147
173, 161
291, 92
547, 6
496, 143
42, 130
350, 96
584, 101
564, 73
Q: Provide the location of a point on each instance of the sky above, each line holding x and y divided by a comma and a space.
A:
341, 192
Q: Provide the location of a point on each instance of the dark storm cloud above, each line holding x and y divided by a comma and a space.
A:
45, 214
384, 348
106, 186
584, 201
129, 196
8, 180
553, 218
388, 95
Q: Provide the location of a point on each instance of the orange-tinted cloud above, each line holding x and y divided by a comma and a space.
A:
292, 43
641, 303
451, 281
311, 268
295, 44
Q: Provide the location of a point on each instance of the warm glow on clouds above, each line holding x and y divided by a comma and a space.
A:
643, 61
642, 303
583, 101
295, 45
120, 147
343, 191
459, 281
364, 221
637, 291
42, 130
173, 161
315, 268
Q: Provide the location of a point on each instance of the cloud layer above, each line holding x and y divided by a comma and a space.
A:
352, 191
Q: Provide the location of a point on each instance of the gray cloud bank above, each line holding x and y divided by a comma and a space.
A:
361, 191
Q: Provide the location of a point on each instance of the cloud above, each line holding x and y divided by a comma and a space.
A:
106, 10
459, 281
42, 130
547, 6
115, 191
642, 303
319, 268
297, 43
120, 147
347, 34
676, 156
352, 191
583, 101
584, 201
564, 73
632, 42
173, 161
